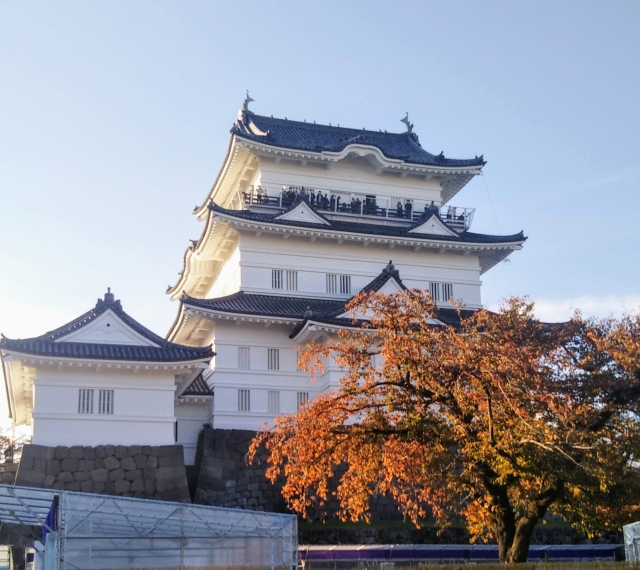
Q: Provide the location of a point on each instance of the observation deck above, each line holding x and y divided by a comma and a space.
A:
372, 208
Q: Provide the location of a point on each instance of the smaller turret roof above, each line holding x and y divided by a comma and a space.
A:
62, 343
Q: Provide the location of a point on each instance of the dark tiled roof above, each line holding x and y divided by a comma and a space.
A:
49, 345
277, 306
369, 229
318, 138
198, 387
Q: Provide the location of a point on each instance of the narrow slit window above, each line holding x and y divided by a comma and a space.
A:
276, 279
434, 291
447, 291
273, 359
332, 283
85, 401
292, 280
105, 402
345, 284
303, 398
244, 400
244, 357
273, 402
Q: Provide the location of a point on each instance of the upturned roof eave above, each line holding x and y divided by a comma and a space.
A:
155, 364
411, 240
335, 156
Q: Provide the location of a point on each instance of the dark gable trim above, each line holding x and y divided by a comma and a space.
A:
310, 137
370, 229
49, 345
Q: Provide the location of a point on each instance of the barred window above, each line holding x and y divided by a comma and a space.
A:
276, 279
244, 357
85, 401
338, 284
303, 398
105, 402
273, 402
244, 400
441, 292
447, 291
273, 359
332, 283
292, 280
434, 291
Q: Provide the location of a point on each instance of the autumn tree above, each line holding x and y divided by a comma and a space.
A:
499, 420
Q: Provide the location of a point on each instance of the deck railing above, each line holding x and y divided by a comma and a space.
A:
350, 204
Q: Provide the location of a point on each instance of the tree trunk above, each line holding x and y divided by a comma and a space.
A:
520, 547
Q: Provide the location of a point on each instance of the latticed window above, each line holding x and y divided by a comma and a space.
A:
292, 280
338, 284
85, 401
105, 402
244, 400
332, 283
447, 291
244, 357
276, 279
273, 359
434, 291
273, 402
303, 398
441, 292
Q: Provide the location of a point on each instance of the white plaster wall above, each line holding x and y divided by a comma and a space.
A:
228, 378
313, 260
143, 407
228, 280
356, 176
191, 417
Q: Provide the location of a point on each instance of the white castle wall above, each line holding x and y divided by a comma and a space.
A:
228, 378
357, 175
143, 407
313, 260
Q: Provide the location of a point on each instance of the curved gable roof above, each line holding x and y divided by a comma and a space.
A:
53, 345
311, 137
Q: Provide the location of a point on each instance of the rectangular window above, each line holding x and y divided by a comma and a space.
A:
441, 292
175, 432
292, 280
447, 291
276, 279
434, 291
273, 358
273, 402
244, 357
85, 401
345, 284
332, 283
303, 398
338, 284
244, 400
105, 402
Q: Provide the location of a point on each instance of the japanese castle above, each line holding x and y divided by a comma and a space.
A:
300, 218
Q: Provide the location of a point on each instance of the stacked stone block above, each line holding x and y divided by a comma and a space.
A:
225, 480
150, 472
8, 473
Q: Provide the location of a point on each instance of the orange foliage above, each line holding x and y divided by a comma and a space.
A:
499, 421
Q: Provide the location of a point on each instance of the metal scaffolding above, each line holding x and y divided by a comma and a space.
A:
86, 531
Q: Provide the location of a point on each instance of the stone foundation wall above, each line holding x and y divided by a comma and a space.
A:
224, 479
8, 473
149, 472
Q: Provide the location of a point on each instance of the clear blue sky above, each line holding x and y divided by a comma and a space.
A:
115, 117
